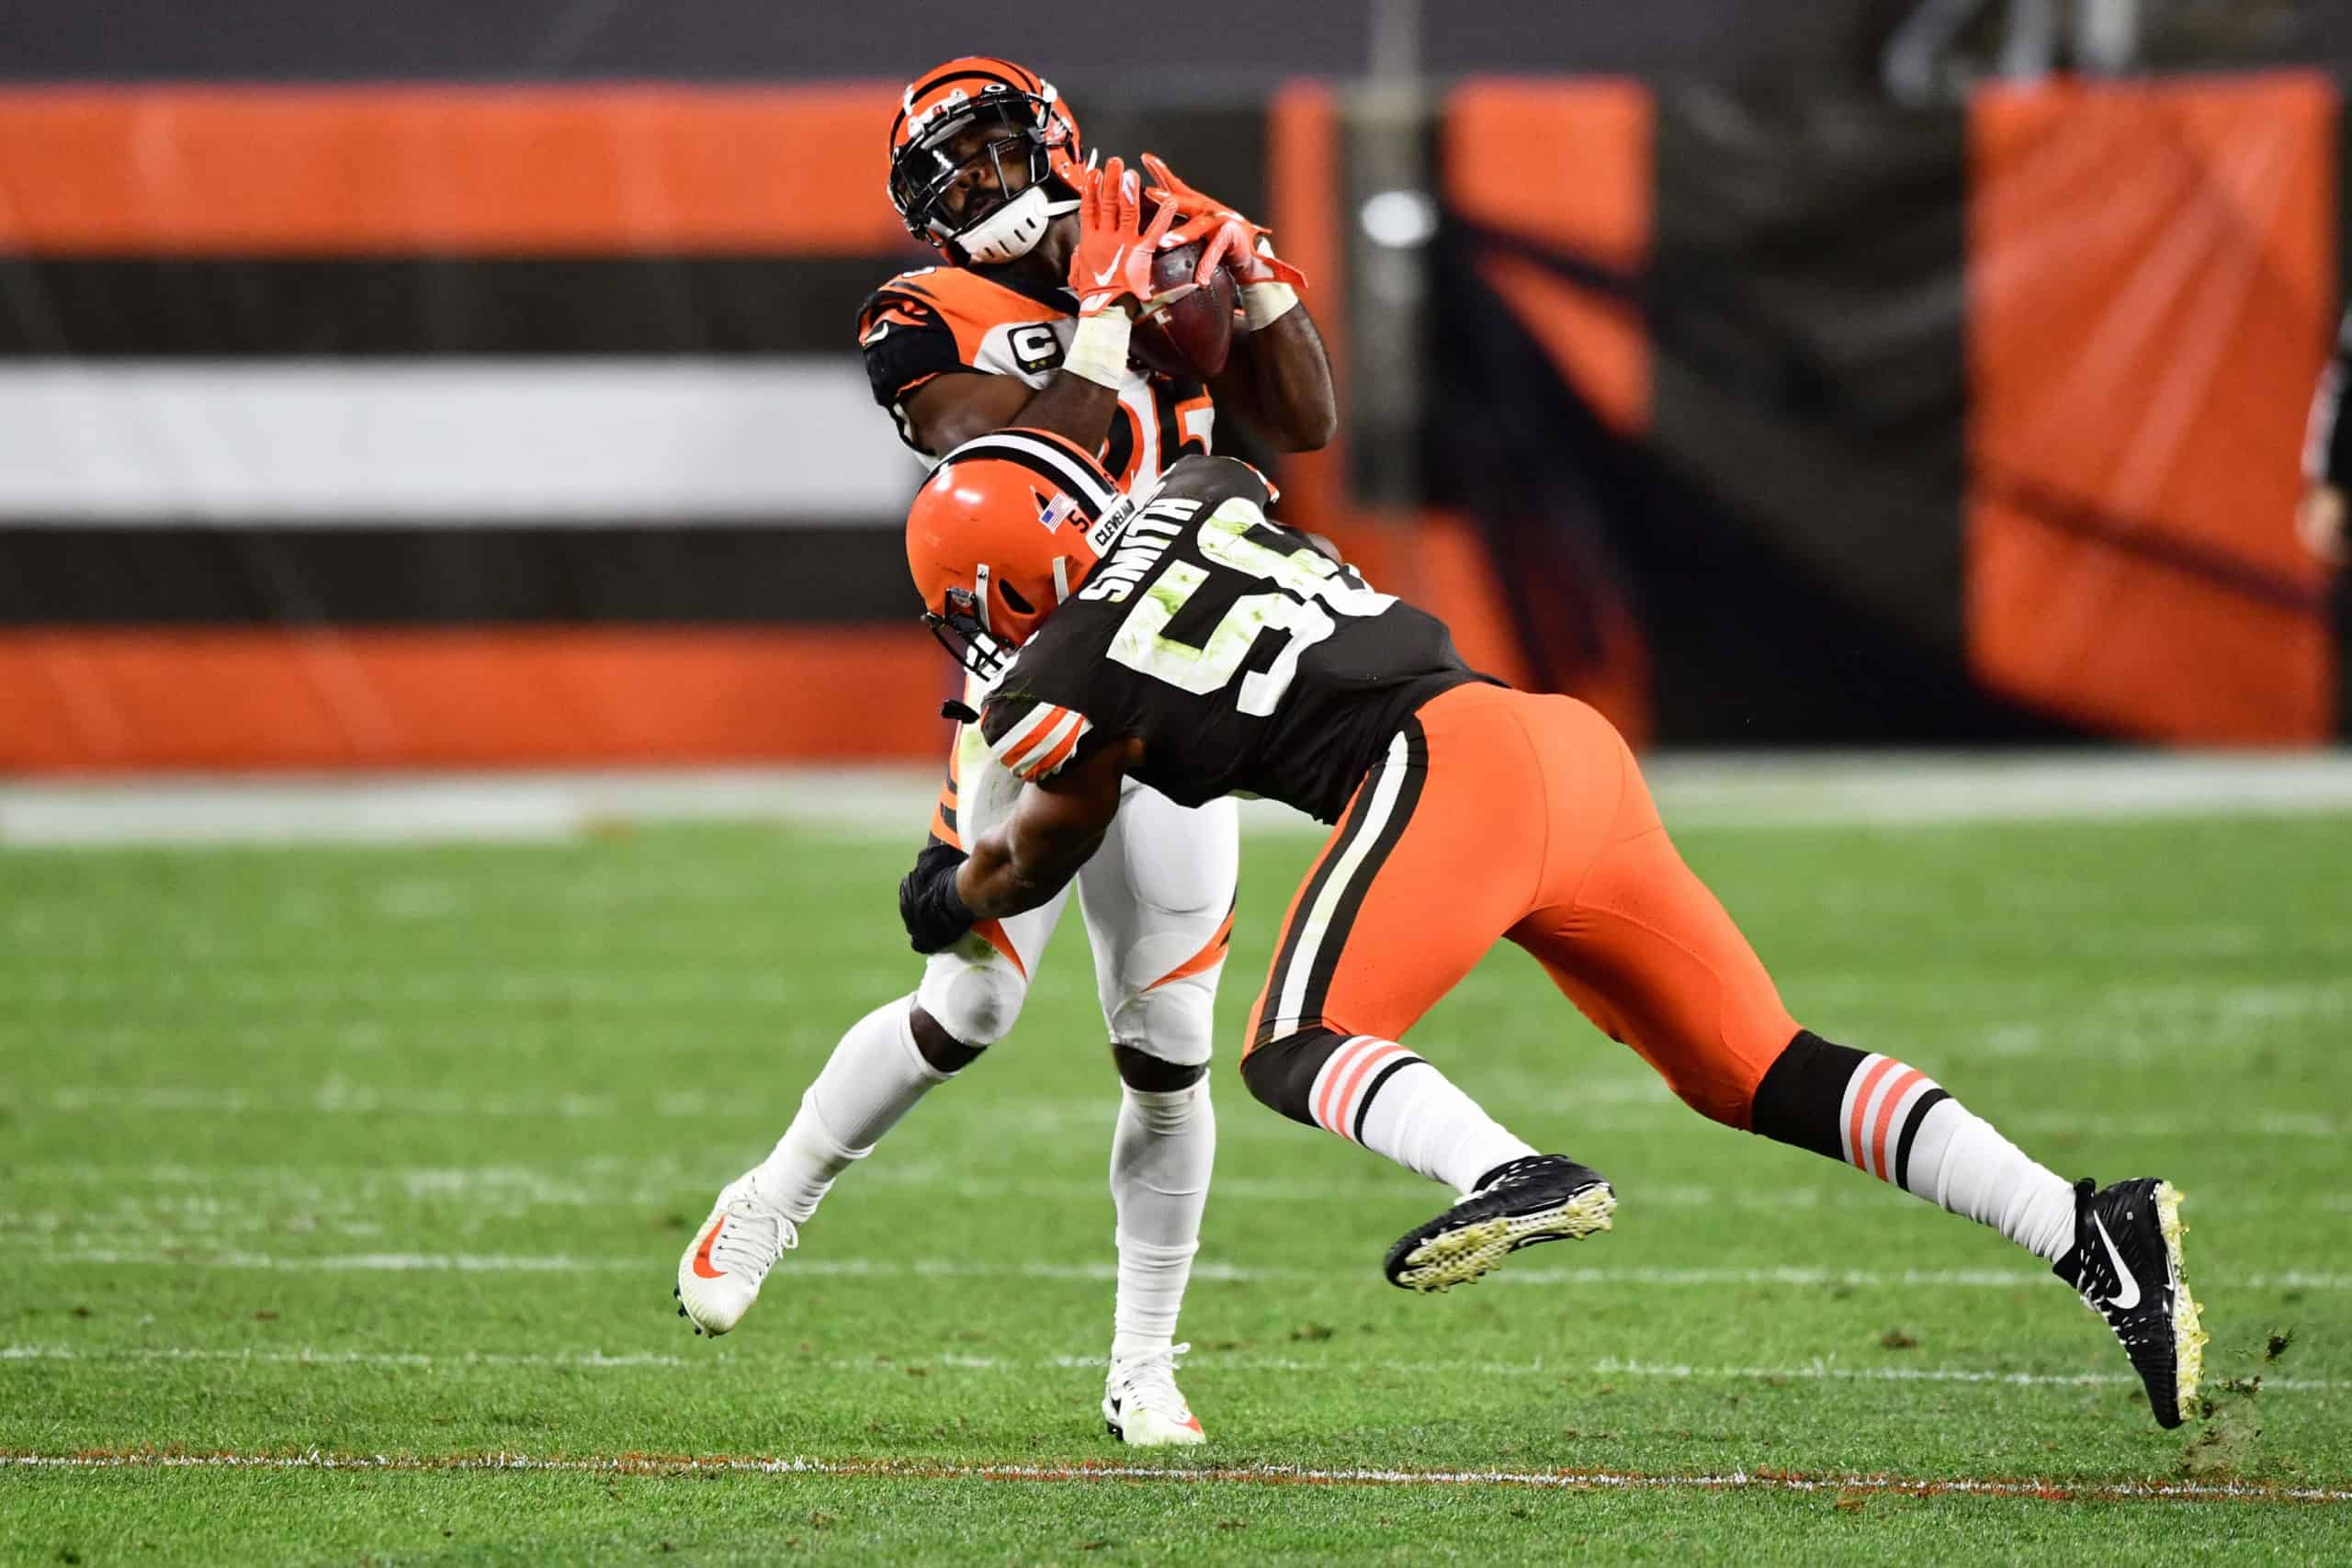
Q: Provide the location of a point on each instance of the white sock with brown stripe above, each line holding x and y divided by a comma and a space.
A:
1376, 1093
1897, 1123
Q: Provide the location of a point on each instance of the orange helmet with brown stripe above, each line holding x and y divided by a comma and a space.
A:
1006, 528
983, 156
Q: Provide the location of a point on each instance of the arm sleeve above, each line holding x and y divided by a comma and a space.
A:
906, 342
1034, 739
2327, 449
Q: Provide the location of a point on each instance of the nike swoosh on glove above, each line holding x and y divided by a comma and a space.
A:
1113, 261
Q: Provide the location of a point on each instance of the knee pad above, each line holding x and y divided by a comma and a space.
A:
975, 1000
1282, 1072
1174, 1022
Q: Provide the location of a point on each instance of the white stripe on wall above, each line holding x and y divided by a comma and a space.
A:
511, 440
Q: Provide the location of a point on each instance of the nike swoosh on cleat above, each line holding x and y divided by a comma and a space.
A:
2128, 1296
702, 1253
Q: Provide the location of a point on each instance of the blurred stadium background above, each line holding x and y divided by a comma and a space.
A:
444, 421
457, 390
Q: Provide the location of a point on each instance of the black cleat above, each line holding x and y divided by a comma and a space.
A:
1518, 1203
2126, 1264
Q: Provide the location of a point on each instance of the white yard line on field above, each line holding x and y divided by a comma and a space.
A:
1815, 1370
1276, 1475
241, 1194
1228, 1273
1694, 789
1625, 1099
595, 1360
379, 991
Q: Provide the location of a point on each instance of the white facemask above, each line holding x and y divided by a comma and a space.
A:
1014, 230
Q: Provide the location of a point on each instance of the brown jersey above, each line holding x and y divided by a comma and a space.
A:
1245, 659
938, 320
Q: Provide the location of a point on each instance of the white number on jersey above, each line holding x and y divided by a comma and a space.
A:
1309, 589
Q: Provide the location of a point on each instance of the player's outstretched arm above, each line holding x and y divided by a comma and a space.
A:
1054, 828
1278, 381
1279, 378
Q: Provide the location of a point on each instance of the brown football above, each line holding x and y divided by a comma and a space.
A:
1190, 339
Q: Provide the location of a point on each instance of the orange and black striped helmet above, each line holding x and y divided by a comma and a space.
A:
1033, 160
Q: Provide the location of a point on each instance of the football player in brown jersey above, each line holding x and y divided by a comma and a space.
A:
1189, 640
1029, 318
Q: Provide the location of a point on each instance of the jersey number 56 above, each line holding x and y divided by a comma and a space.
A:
1308, 590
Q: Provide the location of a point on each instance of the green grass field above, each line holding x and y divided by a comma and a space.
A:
385, 1156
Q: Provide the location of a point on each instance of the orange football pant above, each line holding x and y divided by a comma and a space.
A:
1497, 813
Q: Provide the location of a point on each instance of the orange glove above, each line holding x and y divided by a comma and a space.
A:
1226, 235
1113, 261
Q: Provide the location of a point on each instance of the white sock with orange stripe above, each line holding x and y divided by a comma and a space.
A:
873, 1076
1376, 1093
1892, 1121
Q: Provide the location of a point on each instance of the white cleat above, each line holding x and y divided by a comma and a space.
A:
1142, 1405
718, 1277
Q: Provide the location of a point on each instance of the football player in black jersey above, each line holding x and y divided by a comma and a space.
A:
1015, 325
1187, 639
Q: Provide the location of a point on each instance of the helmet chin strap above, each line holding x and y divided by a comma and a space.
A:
1014, 230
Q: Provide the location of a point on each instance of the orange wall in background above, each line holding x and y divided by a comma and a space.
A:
2152, 282
1567, 163
2151, 289
343, 697
327, 171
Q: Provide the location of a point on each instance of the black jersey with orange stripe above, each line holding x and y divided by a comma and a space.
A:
1246, 660
938, 320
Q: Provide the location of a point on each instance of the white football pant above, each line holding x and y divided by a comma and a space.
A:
1157, 902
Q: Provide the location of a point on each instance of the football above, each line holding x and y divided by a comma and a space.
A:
1192, 338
